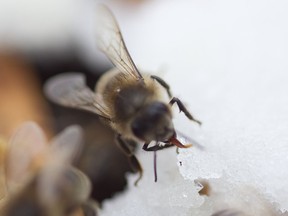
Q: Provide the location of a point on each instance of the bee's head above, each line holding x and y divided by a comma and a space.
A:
153, 122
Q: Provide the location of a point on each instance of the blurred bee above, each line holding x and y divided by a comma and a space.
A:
240, 200
228, 212
3, 148
129, 101
39, 178
250, 208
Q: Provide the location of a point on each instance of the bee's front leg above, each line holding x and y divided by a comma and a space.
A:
183, 109
135, 164
163, 84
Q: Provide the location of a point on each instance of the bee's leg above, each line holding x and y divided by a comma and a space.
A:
182, 108
162, 83
135, 164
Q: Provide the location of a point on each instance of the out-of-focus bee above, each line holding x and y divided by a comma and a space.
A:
3, 147
240, 200
131, 102
228, 212
234, 212
251, 209
39, 177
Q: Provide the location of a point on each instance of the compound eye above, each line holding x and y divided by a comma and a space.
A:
140, 129
151, 122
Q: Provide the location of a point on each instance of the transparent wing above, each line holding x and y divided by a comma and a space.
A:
57, 178
90, 208
26, 145
60, 183
110, 41
67, 145
69, 89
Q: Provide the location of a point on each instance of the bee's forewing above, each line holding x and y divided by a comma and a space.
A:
63, 184
81, 185
90, 208
66, 145
110, 41
69, 89
27, 143
58, 173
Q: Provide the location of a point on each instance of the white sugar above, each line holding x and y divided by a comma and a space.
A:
227, 61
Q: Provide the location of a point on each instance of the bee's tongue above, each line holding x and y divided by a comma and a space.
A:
173, 140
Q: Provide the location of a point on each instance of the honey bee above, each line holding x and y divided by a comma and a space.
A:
129, 101
228, 212
242, 200
39, 177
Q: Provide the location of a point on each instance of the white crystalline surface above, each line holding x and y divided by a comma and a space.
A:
168, 196
227, 60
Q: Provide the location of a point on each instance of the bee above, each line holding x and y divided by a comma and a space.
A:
242, 200
39, 177
228, 212
131, 102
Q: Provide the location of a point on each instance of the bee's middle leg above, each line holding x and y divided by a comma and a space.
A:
135, 164
183, 109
